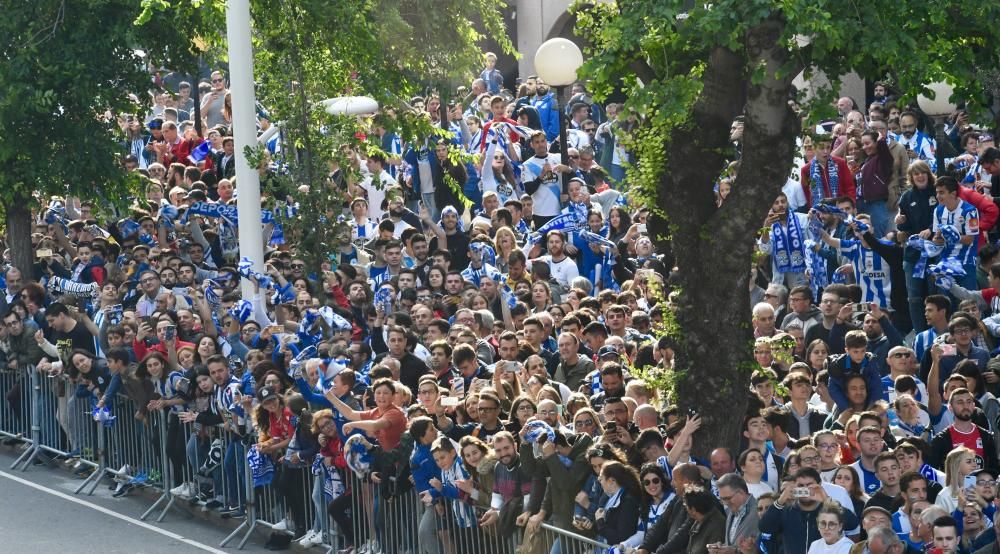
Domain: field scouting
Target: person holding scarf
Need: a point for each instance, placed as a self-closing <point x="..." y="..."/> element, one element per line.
<point x="618" y="518"/>
<point x="826" y="176"/>
<point x="784" y="240"/>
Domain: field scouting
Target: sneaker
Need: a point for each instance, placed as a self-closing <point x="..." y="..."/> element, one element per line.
<point x="312" y="538"/>
<point x="213" y="504"/>
<point x="281" y="525"/>
<point x="232" y="512"/>
<point x="122" y="490"/>
<point x="184" y="490"/>
<point x="125" y="472"/>
<point x="82" y="469"/>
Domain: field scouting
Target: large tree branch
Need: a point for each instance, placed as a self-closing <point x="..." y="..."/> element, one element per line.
<point x="698" y="151"/>
<point x="768" y="136"/>
<point x="642" y="70"/>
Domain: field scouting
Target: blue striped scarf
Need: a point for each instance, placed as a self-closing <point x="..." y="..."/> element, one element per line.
<point x="788" y="252"/>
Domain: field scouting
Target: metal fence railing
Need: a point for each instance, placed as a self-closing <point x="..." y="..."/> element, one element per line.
<point x="204" y="468"/>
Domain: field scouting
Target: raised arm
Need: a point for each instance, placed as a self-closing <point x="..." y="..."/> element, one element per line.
<point x="345" y="410"/>
<point x="934" y="400"/>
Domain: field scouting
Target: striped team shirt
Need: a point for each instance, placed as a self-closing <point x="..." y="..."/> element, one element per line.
<point x="871" y="272"/>
<point x="464" y="513"/>
<point x="965" y="219"/>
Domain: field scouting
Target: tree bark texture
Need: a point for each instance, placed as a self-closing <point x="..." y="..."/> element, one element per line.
<point x="714" y="246"/>
<point x="19" y="235"/>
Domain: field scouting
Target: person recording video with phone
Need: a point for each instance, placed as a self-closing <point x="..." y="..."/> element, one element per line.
<point x="800" y="502"/>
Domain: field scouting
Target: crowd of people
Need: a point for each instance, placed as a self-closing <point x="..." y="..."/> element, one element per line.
<point x="483" y="346"/>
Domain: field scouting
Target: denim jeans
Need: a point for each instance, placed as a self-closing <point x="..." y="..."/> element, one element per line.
<point x="474" y="193"/>
<point x="234" y="465"/>
<point x="319" y="503"/>
<point x="879" y="213"/>
<point x="432" y="207"/>
<point x="617" y="174"/>
<point x="916" y="290"/>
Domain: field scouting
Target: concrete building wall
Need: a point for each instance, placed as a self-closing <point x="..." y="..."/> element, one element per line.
<point x="538" y="21"/>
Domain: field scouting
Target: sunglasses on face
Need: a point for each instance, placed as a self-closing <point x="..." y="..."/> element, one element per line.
<point x="651" y="481"/>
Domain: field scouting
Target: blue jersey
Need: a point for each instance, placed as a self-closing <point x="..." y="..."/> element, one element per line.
<point x="869" y="481"/>
<point x="923" y="341"/>
<point x="871" y="272"/>
<point x="964" y="219"/>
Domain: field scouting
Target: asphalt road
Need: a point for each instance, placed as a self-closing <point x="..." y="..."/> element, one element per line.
<point x="39" y="512"/>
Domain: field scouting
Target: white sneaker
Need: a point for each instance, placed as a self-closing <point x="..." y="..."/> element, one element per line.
<point x="280" y="526"/>
<point x="184" y="490"/>
<point x="311" y="539"/>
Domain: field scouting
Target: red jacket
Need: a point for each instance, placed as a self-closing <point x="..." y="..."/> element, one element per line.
<point x="179" y="152"/>
<point x="845" y="186"/>
<point x="988" y="211"/>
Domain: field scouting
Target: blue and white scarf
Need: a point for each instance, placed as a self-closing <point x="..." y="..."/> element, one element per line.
<point x="789" y="254"/>
<point x="928" y="249"/>
<point x="230" y="217"/>
<point x="242" y="310"/>
<point x="261" y="467"/>
<point x="816" y="180"/>
<point x="569" y="220"/>
<point x="819" y="276"/>
<point x="333" y="484"/>
<point x="945" y="272"/>
<point x="103" y="416"/>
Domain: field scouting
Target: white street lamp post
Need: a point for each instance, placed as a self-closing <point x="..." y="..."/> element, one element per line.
<point x="556" y="63"/>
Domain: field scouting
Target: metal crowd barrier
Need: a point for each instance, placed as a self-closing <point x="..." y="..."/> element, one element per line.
<point x="206" y="467"/>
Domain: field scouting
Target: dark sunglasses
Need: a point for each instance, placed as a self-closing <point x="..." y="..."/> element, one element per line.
<point x="651" y="481"/>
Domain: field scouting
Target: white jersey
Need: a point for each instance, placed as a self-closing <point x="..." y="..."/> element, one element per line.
<point x="563" y="271"/>
<point x="922" y="144"/>
<point x="547" y="199"/>
<point x="871" y="272"/>
<point x="376" y="192"/>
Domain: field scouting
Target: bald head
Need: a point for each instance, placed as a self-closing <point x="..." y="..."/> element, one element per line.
<point x="645" y="417"/>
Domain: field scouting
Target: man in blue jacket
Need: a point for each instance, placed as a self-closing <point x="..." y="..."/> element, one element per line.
<point x="548" y="110"/>
<point x="793" y="516"/>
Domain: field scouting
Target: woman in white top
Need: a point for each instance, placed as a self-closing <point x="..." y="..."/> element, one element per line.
<point x="751" y="464"/>
<point x="830" y="522"/>
<point x="961" y="461"/>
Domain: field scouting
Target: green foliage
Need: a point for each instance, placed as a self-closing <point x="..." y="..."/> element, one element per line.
<point x="66" y="69"/>
<point x="654" y="51"/>
<point x="686" y="68"/>
<point x="308" y="50"/>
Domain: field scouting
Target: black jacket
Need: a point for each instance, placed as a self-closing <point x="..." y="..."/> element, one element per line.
<point x="621" y="521"/>
<point x="227" y="172"/>
<point x="670" y="529"/>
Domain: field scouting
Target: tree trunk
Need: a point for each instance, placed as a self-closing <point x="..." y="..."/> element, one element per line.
<point x="714" y="246"/>
<point x="19" y="235"/>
